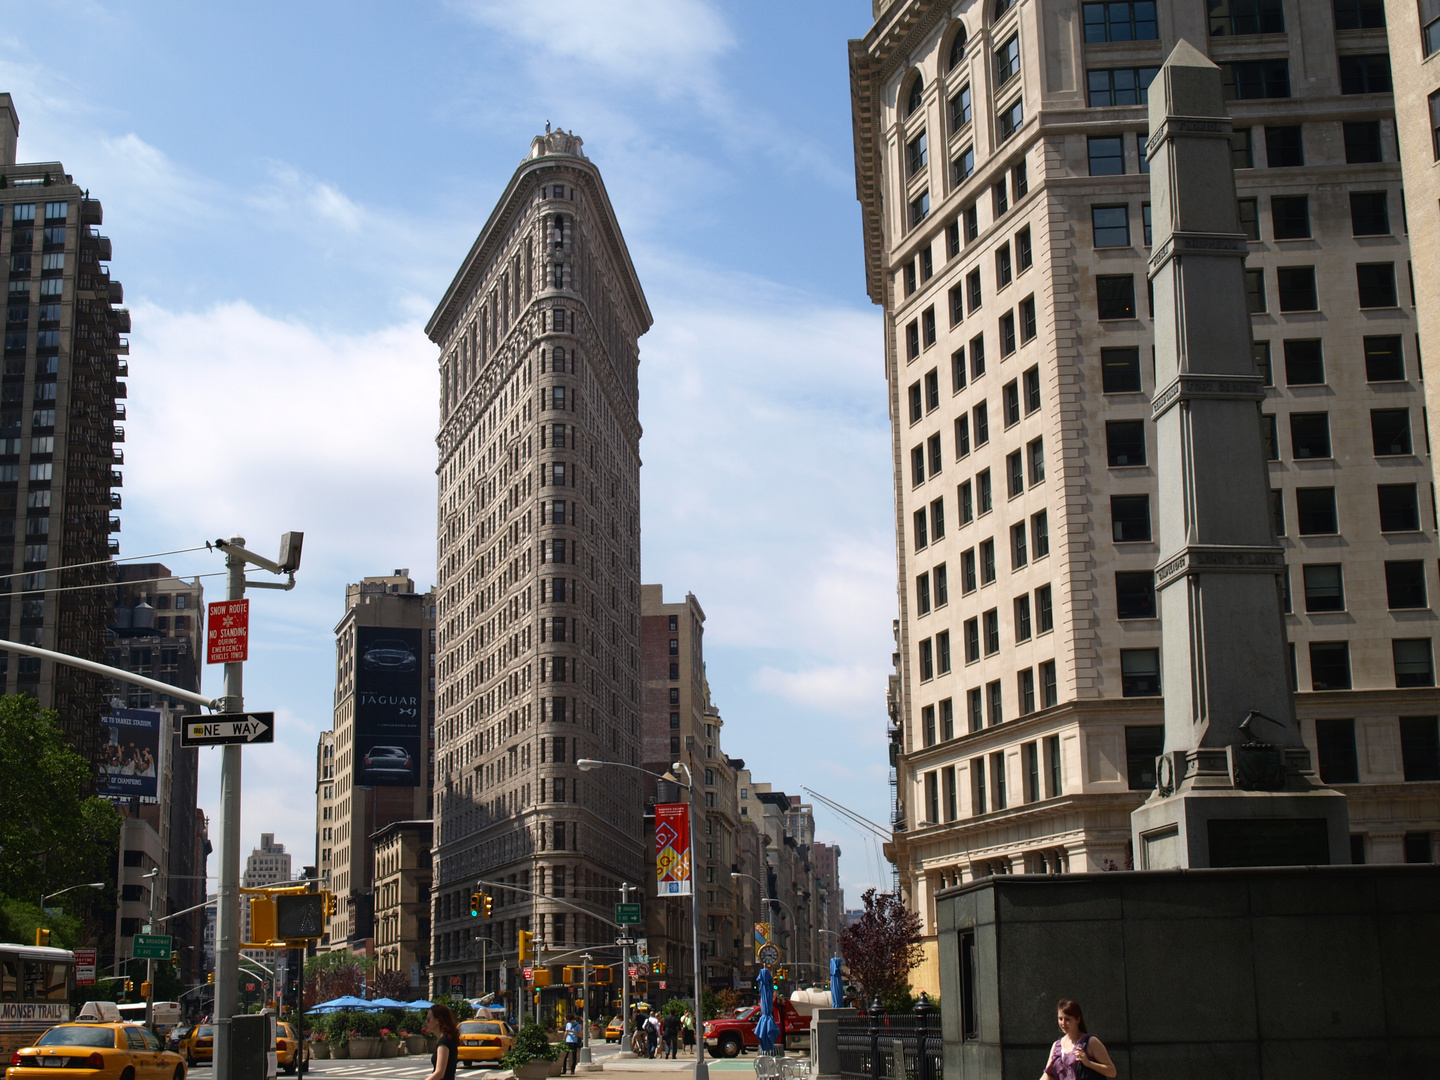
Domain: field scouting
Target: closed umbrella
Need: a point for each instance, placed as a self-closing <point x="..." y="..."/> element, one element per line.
<point x="837" y="988"/>
<point x="765" y="1027"/>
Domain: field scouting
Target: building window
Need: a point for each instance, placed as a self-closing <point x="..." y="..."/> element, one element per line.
<point x="1035" y="455"/>
<point x="1130" y="518"/>
<point x="1304" y="362"/>
<point x="1125" y="442"/>
<point x="963" y="166"/>
<point x="942" y="585"/>
<point x="1399" y="508"/>
<point x="1369" y="74"/>
<point x="919" y="208"/>
<point x="1249" y="218"/>
<point x="1007" y="60"/>
<point x="1434" y="101"/>
<point x="1420" y="748"/>
<point x="1011" y="118"/>
<point x="1237" y="17"/>
<point x="1405" y="584"/>
<point x="1007" y="334"/>
<point x="917" y="154"/>
<point x="1044" y="609"/>
<point x="981" y="414"/>
<point x="1023" y="627"/>
<point x="1019" y="550"/>
<point x="966" y="495"/>
<point x="1315" y="511"/>
<point x="975" y="706"/>
<point x="1297" y="288"/>
<point x="1003" y="267"/>
<point x="1140" y="672"/>
<point x="991" y="620"/>
<point x="972" y="640"/>
<point x="927" y="723"/>
<point x="960" y="109"/>
<point x="927" y="327"/>
<point x="1115" y="296"/>
<point x="967" y="571"/>
<point x="1111" y="226"/>
<point x="1429" y="26"/>
<point x="1284" y="147"/>
<point x="1362" y="142"/>
<point x="1369" y="213"/>
<point x="1135" y="594"/>
<point x="1028" y="327"/>
<point x="1335" y="751"/>
<point x="1143" y="744"/>
<point x="1242" y="149"/>
<point x="916" y="97"/>
<point x="1001" y="201"/>
<point x="922" y="594"/>
<point x="977" y="793"/>
<point x="1418" y="847"/>
<point x="995" y="703"/>
<point x="1255" y="291"/>
<point x="1120" y="370"/>
<point x="973" y="295"/>
<point x="971" y="217"/>
<point x="1289" y="217"/>
<point x="1384" y="359"/>
<point x="1040" y="535"/>
<point x="1324" y="587"/>
<point x="927" y="660"/>
<point x="1245" y="80"/>
<point x="1413" y="664"/>
<point x="987" y="562"/>
<point x="1107" y="155"/>
<point x="1377" y="284"/>
<point x="1269" y="437"/>
<point x="1310" y="435"/>
<point x="1120" y="86"/>
<point x="1120" y="20"/>
<point x="942" y="651"/>
<point x="1390" y="432"/>
<point x="1329" y="666"/>
<point x="922" y="532"/>
<point x="1025" y="686"/>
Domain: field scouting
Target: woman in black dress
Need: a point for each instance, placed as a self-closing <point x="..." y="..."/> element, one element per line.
<point x="441" y="1022"/>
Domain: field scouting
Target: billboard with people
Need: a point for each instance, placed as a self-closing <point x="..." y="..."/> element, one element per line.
<point x="387" y="706"/>
<point x="131" y="760"/>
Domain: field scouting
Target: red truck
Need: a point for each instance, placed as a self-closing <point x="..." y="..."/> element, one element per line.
<point x="731" y="1036"/>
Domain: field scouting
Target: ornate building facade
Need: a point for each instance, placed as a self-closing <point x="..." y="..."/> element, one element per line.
<point x="538" y="581"/>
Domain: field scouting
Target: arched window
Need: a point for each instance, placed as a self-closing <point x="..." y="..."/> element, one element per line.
<point x="957" y="46"/>
<point x="917" y="89"/>
<point x="559" y="230"/>
<point x="559" y="359"/>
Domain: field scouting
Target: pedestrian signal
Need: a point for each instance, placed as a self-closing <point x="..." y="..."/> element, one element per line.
<point x="525" y="943"/>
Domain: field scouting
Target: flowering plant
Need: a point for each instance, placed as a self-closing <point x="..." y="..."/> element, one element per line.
<point x="386" y="1033"/>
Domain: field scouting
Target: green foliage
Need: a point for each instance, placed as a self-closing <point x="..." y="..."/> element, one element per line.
<point x="19" y="919"/>
<point x="365" y="1023"/>
<point x="676" y="1007"/>
<point x="722" y="1003"/>
<point x="461" y="1008"/>
<point x="898" y="1000"/>
<point x="330" y="975"/>
<point x="530" y="1045"/>
<point x="51" y="834"/>
<point x="413" y="1021"/>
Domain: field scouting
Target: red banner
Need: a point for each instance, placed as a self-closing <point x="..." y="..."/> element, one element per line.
<point x="672" y="849"/>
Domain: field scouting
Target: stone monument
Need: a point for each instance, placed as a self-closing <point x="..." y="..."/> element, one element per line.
<point x="1235" y="785"/>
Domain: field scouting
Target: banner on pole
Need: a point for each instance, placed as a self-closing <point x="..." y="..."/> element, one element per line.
<point x="762" y="938"/>
<point x="672" y="849"/>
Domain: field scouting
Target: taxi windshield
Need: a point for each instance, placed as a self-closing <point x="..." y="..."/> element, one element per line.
<point x="78" y="1036"/>
<point x="475" y="1027"/>
<point x="205" y="1032"/>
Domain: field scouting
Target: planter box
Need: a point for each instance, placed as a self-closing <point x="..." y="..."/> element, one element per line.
<point x="538" y="1070"/>
<point x="365" y="1046"/>
<point x="416" y="1044"/>
<point x="338" y="1050"/>
<point x="388" y="1047"/>
<point x="320" y="1051"/>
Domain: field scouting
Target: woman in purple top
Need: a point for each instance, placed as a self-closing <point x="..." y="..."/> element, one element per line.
<point x="1076" y="1054"/>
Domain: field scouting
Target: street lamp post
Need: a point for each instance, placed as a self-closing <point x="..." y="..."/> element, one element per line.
<point x="702" y="1071"/>
<point x="62" y="892"/>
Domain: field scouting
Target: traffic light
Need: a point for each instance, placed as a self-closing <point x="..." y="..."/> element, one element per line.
<point x="489" y="903"/>
<point x="329" y="904"/>
<point x="525" y="943"/>
<point x="145" y="989"/>
<point x="601" y="976"/>
<point x="658" y="967"/>
<point x="541" y="976"/>
<point x="210" y="979"/>
<point x="175" y="961"/>
<point x="477" y="903"/>
<point x="129" y="986"/>
<point x="574" y="973"/>
<point x="42" y="937"/>
<point x="537" y="997"/>
<point x="782" y="973"/>
<point x="262" y="919"/>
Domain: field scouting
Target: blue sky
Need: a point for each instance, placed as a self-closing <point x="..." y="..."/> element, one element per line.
<point x="290" y="188"/>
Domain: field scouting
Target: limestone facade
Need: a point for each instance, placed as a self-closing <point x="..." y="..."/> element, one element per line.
<point x="539" y="558"/>
<point x="999" y="163"/>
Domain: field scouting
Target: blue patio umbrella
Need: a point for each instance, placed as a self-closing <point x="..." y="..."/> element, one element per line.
<point x="349" y="1001"/>
<point x="765" y="1027"/>
<point x="388" y="1003"/>
<point x="837" y="987"/>
<point x="419" y="1004"/>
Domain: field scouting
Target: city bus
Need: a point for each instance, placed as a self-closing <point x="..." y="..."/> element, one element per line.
<point x="35" y="988"/>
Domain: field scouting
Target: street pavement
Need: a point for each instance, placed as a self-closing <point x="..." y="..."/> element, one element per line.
<point x="418" y="1066"/>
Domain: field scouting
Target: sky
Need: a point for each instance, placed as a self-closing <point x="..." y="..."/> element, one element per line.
<point x="289" y="189"/>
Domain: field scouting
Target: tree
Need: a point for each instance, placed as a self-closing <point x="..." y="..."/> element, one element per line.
<point x="883" y="947"/>
<point x="51" y="834"/>
<point x="391" y="984"/>
<point x="330" y="975"/>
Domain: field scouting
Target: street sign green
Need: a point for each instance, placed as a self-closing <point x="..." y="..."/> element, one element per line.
<point x="628" y="914"/>
<point x="152" y="946"/>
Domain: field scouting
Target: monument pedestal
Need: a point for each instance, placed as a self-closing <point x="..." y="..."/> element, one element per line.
<point x="1216" y="828"/>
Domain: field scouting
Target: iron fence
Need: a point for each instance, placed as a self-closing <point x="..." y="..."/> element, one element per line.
<point x="882" y="1046"/>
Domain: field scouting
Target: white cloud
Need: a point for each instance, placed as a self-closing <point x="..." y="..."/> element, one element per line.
<point x="857" y="691"/>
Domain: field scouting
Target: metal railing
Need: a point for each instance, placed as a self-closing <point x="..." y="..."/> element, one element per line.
<point x="881" y="1046"/>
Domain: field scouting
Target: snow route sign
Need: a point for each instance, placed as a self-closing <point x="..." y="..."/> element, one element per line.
<point x="227" y="637"/>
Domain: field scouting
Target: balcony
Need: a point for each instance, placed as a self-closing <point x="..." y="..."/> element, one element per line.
<point x="122" y="320"/>
<point x="122" y="390"/>
<point x="91" y="212"/>
<point x="122" y="368"/>
<point x="114" y="546"/>
<point x="118" y="457"/>
<point x="115" y="500"/>
<point x="119" y="435"/>
<point x="122" y="347"/>
<point x="116" y="479"/>
<point x="116" y="293"/>
<point x="119" y="410"/>
<point x="114" y="525"/>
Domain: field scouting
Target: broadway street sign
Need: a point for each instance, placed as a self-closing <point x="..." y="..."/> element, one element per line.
<point x="221" y="728"/>
<point x="152" y="946"/>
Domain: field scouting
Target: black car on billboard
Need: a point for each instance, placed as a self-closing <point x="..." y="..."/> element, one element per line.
<point x="389" y="654"/>
<point x="386" y="763"/>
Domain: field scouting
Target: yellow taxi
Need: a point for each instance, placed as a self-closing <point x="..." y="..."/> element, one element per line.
<point x="483" y="1040"/>
<point x="614" y="1030"/>
<point x="96" y="1050"/>
<point x="289" y="1050"/>
<point x="199" y="1045"/>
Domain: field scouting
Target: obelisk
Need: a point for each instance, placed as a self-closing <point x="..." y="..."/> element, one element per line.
<point x="1235" y="784"/>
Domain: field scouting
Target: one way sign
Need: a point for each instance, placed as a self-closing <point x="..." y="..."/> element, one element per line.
<point x="221" y="728"/>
